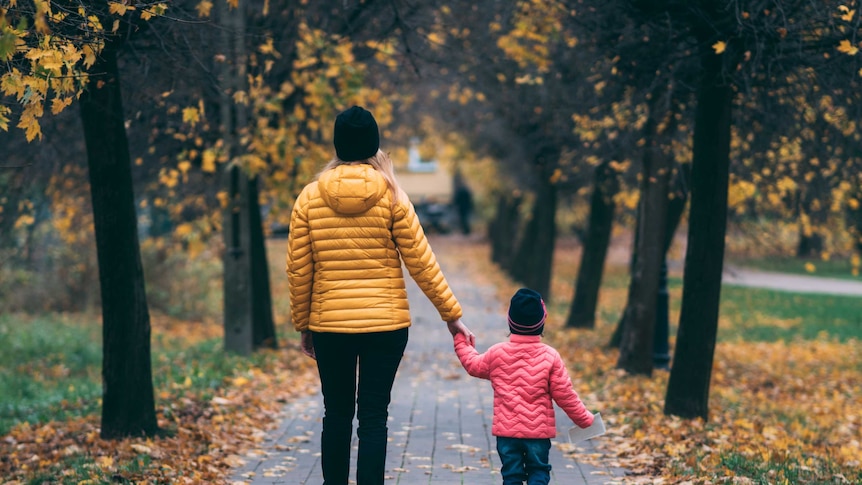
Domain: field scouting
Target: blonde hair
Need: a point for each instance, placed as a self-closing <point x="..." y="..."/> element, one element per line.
<point x="382" y="163"/>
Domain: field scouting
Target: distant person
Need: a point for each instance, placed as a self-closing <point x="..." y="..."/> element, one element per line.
<point x="463" y="199"/>
<point x="350" y="232"/>
<point x="526" y="376"/>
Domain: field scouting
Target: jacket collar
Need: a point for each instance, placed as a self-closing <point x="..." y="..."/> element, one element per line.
<point x="523" y="339"/>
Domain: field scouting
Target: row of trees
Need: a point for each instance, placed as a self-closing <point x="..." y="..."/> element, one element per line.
<point x="661" y="96"/>
<point x="207" y="120"/>
<point x="221" y="116"/>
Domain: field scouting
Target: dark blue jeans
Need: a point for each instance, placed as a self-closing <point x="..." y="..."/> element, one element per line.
<point x="524" y="460"/>
<point x="377" y="356"/>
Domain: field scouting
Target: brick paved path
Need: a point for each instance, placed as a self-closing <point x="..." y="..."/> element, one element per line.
<point x="440" y="418"/>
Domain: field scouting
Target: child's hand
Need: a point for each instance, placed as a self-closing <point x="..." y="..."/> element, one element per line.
<point x="457" y="327"/>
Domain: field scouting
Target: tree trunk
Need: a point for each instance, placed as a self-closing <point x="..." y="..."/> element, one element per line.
<point x="688" y="387"/>
<point x="583" y="311"/>
<point x="675" y="210"/>
<point x="128" y="407"/>
<point x="263" y="331"/>
<point x="533" y="259"/>
<point x="248" y="300"/>
<point x="238" y="297"/>
<point x="676" y="203"/>
<point x="617" y="336"/>
<point x="503" y="230"/>
<point x="636" y="346"/>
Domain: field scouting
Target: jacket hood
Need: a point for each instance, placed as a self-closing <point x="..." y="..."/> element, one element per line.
<point x="352" y="189"/>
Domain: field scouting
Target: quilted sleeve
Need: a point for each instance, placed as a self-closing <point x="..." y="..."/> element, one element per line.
<point x="474" y="363"/>
<point x="300" y="264"/>
<point x="565" y="396"/>
<point x="420" y="260"/>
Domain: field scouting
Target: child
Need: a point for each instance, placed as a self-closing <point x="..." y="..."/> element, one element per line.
<point x="526" y="375"/>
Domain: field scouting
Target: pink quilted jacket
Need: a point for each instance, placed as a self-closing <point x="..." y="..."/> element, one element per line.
<point x="526" y="375"/>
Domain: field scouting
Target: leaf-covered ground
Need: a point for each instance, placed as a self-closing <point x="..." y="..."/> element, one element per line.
<point x="784" y="410"/>
<point x="205" y="426"/>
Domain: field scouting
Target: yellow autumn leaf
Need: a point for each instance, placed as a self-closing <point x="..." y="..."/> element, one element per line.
<point x="204" y="8"/>
<point x="59" y="104"/>
<point x="191" y="115"/>
<point x="24" y="221"/>
<point x="268" y="48"/>
<point x="32" y="129"/>
<point x="208" y="161"/>
<point x="810" y="267"/>
<point x="719" y="47"/>
<point x="847" y="48"/>
<point x="183" y="229"/>
<point x="119" y="8"/>
<point x="89" y="56"/>
<point x="104" y="462"/>
<point x="222" y="198"/>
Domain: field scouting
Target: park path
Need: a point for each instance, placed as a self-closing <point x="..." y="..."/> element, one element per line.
<point x="790" y="282"/>
<point x="440" y="418"/>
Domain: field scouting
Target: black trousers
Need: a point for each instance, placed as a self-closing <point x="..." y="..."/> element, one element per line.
<point x="377" y="356"/>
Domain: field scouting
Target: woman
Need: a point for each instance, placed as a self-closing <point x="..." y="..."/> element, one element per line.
<point x="350" y="231"/>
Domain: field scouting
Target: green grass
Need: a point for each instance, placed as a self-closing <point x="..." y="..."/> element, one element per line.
<point x="83" y="466"/>
<point x="50" y="368"/>
<point x="777" y="469"/>
<point x="756" y="314"/>
<point x="767" y="315"/>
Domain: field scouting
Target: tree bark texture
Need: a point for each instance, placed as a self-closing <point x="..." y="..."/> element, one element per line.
<point x="605" y="186"/>
<point x="617" y="336"/>
<point x="503" y="229"/>
<point x="263" y="331"/>
<point x="238" y="297"/>
<point x="636" y="345"/>
<point x="688" y="387"/>
<point x="534" y="257"/>
<point x="247" y="300"/>
<point x="128" y="407"/>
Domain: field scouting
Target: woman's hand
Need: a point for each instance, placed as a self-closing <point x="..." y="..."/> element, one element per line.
<point x="307" y="344"/>
<point x="457" y="326"/>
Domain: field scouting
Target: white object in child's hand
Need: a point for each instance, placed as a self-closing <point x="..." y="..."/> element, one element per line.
<point x="577" y="433"/>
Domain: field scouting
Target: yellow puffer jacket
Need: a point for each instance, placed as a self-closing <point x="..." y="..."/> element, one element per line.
<point x="345" y="248"/>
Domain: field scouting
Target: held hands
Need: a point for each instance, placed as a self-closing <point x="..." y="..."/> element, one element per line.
<point x="457" y="326"/>
<point x="306" y="344"/>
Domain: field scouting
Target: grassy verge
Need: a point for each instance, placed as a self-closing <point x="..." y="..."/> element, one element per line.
<point x="49" y="369"/>
<point x="749" y="314"/>
<point x="50" y="366"/>
<point x="50" y="399"/>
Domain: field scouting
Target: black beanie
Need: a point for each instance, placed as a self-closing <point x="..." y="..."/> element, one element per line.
<point x="356" y="136"/>
<point x="527" y="313"/>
